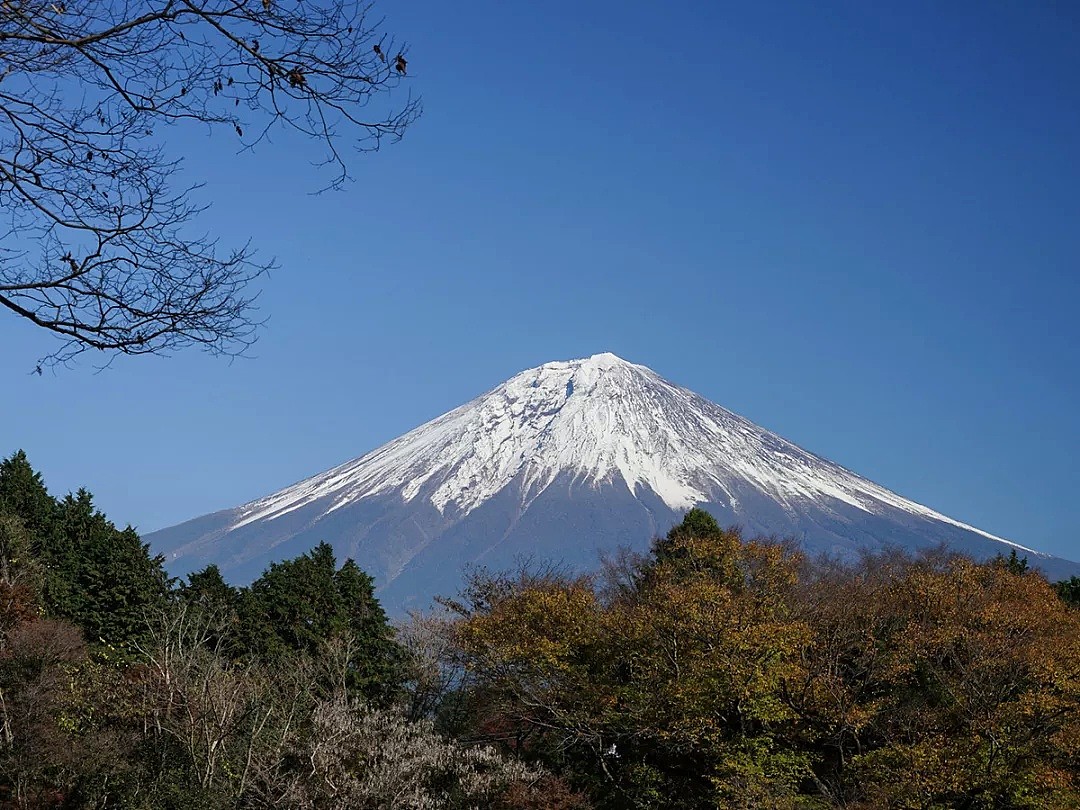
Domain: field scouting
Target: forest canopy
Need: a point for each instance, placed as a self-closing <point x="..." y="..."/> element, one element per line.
<point x="711" y="672"/>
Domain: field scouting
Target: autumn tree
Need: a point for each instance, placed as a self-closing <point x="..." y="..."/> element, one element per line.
<point x="668" y="694"/>
<point x="724" y="673"/>
<point x="940" y="682"/>
<point x="101" y="242"/>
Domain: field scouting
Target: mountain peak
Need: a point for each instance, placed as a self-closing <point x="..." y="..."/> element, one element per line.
<point x="605" y="360"/>
<point x="600" y="420"/>
<point x="597" y="418"/>
<point x="592" y="365"/>
<point x="598" y="449"/>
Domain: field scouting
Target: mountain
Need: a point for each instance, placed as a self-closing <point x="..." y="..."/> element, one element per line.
<point x="563" y="462"/>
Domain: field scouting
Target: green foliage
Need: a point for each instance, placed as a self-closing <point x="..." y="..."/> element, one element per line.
<point x="29" y="516"/>
<point x="202" y="695"/>
<point x="208" y="590"/>
<point x="114" y="582"/>
<point x="1069" y="591"/>
<point x="102" y="579"/>
<point x="20" y="569"/>
<point x="1014" y="564"/>
<point x="297" y="606"/>
<point x="23" y="493"/>
<point x="695" y="523"/>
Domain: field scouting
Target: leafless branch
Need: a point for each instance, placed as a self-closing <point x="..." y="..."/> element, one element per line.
<point x="99" y="243"/>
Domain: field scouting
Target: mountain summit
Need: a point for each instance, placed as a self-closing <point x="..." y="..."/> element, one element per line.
<point x="563" y="462"/>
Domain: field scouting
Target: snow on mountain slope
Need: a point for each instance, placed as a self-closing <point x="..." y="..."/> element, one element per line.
<point x="599" y="418"/>
<point x="580" y="431"/>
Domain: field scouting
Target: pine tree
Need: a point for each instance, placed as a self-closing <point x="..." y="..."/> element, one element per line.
<point x="696" y="524"/>
<point x="377" y="671"/>
<point x="299" y="605"/>
<point x="102" y="579"/>
<point x="1069" y="591"/>
<point x="114" y="582"/>
<point x="1014" y="564"/>
<point x="207" y="589"/>
<point x="24" y="496"/>
<point x="23" y="493"/>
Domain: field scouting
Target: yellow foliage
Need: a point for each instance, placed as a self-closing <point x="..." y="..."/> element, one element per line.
<point x="728" y="674"/>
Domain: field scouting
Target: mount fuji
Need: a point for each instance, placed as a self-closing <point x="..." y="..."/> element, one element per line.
<point x="563" y="462"/>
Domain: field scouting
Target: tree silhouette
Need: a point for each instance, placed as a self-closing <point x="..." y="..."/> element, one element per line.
<point x="97" y="244"/>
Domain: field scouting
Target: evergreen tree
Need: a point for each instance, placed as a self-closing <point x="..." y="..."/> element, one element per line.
<point x="378" y="670"/>
<point x="1014" y="564"/>
<point x="299" y="605"/>
<point x="1069" y="591"/>
<point x="114" y="582"/>
<point x="20" y="576"/>
<point x="102" y="579"/>
<point x="207" y="589"/>
<point x="696" y="524"/>
<point x="23" y="493"/>
<point x="24" y="498"/>
<point x="18" y="564"/>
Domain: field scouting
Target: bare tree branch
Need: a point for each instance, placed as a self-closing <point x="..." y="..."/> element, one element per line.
<point x="98" y="242"/>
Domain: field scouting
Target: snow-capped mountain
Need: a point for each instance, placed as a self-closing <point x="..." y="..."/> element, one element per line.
<point x="562" y="462"/>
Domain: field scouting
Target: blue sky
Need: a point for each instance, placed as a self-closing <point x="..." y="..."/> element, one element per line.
<point x="854" y="223"/>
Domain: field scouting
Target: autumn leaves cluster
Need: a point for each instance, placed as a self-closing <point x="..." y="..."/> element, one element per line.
<point x="716" y="672"/>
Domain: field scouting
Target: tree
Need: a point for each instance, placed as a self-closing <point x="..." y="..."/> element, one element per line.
<point x="721" y="673"/>
<point x="1069" y="590"/>
<point x="208" y="591"/>
<point x="99" y="246"/>
<point x="939" y="682"/>
<point x="89" y="572"/>
<point x="695" y="523"/>
<point x="1014" y="563"/>
<point x="37" y="658"/>
<point x="23" y="493"/>
<point x="112" y="579"/>
<point x="667" y="694"/>
<point x="303" y="604"/>
<point x="357" y="757"/>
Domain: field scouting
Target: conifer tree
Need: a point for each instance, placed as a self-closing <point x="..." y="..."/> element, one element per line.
<point x="207" y="589"/>
<point x="696" y="523"/>
<point x="102" y="579"/>
<point x="23" y="493"/>
<point x="1069" y="591"/>
<point x="113" y="581"/>
<point x="299" y="605"/>
<point x="1014" y="564"/>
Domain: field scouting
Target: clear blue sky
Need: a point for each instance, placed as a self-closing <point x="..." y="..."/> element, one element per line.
<point x="857" y="224"/>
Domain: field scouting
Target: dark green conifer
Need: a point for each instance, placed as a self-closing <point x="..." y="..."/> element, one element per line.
<point x="1014" y="564"/>
<point x="1069" y="591"/>
<point x="697" y="523"/>
<point x="114" y="582"/>
<point x="102" y="579"/>
<point x="298" y="605"/>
